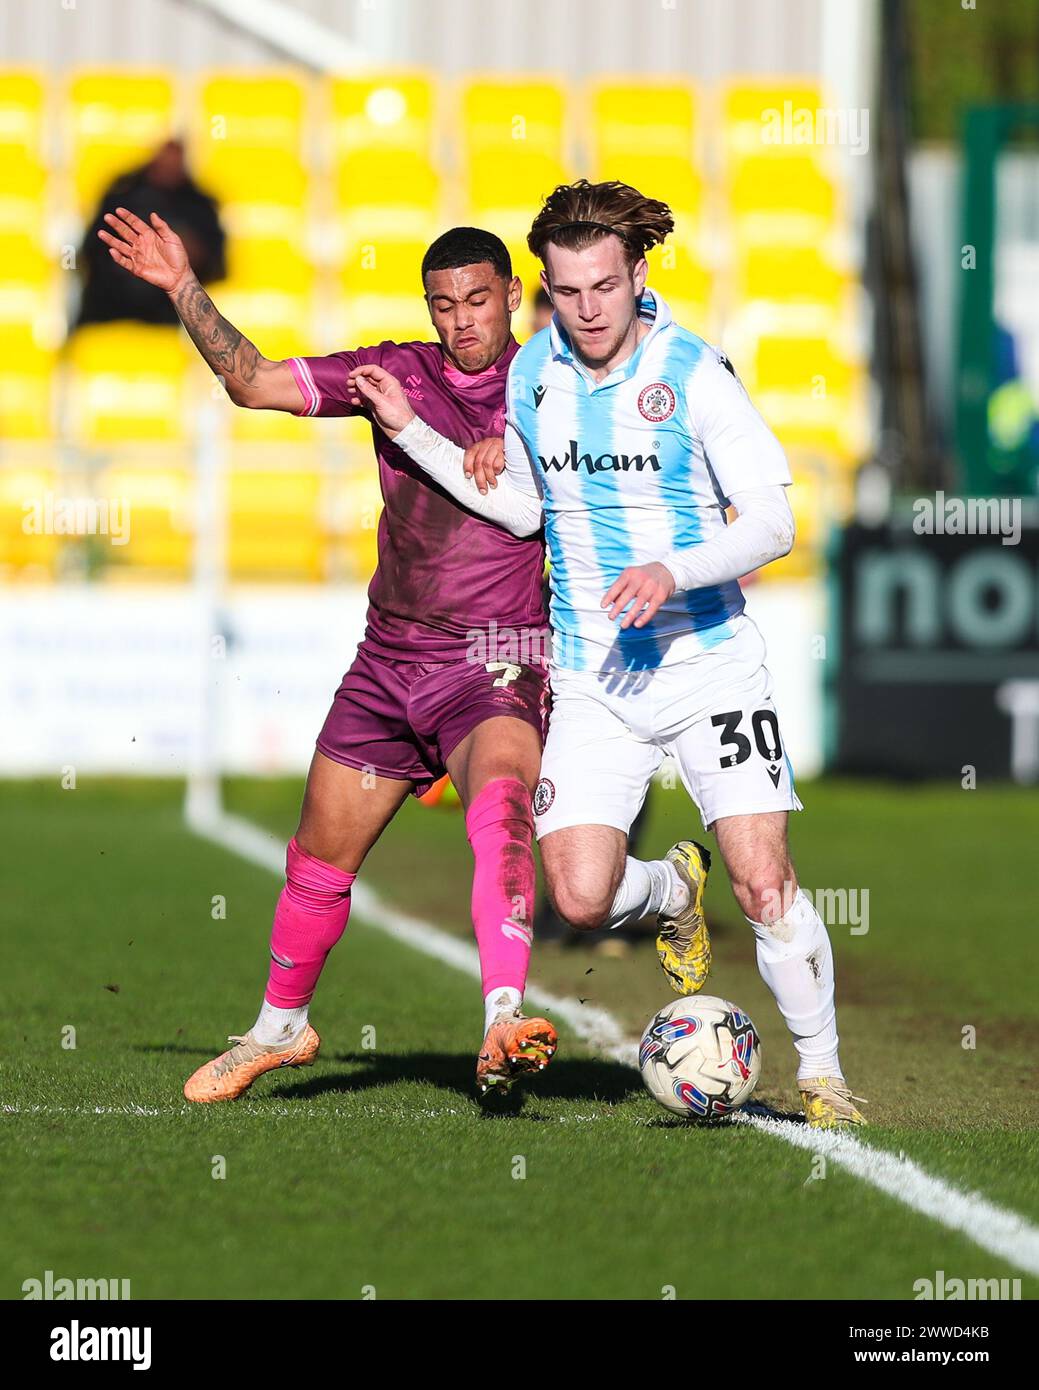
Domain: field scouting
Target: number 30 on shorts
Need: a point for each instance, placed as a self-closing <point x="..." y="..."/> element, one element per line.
<point x="764" y="724"/>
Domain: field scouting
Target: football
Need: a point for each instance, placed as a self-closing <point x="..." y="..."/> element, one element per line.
<point x="700" y="1057"/>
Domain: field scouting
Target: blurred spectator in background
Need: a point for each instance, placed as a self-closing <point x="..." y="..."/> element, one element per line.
<point x="163" y="185"/>
<point x="543" y="311"/>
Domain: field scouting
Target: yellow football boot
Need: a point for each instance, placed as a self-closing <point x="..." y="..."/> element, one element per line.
<point x="828" y="1103"/>
<point x="683" y="945"/>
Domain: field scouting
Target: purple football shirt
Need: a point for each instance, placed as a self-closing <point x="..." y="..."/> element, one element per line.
<point x="444" y="575"/>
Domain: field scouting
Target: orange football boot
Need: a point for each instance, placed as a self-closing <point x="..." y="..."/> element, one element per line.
<point x="513" y="1047"/>
<point x="226" y="1077"/>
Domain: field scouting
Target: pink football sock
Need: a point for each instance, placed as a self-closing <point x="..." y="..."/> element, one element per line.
<point x="308" y="921"/>
<point x="500" y="826"/>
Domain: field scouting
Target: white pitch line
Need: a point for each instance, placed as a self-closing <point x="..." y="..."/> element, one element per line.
<point x="996" y="1229"/>
<point x="295" y="1110"/>
<point x="126" y="1110"/>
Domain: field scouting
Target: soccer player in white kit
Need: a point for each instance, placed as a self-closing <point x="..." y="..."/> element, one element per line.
<point x="629" y="436"/>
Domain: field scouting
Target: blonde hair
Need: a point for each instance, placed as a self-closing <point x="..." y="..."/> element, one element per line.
<point x="577" y="215"/>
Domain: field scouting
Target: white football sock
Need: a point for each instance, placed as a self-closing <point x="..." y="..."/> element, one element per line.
<point x="502" y="1000"/>
<point x="796" y="962"/>
<point x="277" y="1027"/>
<point x="649" y="887"/>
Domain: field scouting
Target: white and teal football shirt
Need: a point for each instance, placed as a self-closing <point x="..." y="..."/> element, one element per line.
<point x="628" y="469"/>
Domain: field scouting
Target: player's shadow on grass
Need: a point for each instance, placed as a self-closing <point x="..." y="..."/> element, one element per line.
<point x="761" y="1109"/>
<point x="566" y="1079"/>
<point x="764" y="1111"/>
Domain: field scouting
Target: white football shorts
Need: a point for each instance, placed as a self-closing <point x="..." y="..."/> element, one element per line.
<point x="713" y="714"/>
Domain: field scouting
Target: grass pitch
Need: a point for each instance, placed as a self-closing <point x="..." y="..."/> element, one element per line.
<point x="375" y="1173"/>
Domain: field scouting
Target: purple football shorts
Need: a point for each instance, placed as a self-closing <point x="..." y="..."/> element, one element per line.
<point x="403" y="719"/>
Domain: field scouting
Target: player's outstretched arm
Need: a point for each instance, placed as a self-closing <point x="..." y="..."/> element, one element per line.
<point x="507" y="505"/>
<point x="156" y="254"/>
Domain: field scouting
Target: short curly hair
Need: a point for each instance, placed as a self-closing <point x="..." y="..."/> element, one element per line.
<point x="577" y="215"/>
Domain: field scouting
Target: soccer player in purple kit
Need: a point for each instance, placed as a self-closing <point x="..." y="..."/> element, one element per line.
<point x="427" y="691"/>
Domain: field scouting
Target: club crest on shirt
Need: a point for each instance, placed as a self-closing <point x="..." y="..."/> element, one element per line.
<point x="498" y="423"/>
<point x="656" y="402"/>
<point x="544" y="795"/>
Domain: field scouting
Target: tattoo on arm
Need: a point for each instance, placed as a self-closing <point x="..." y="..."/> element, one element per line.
<point x="225" y="349"/>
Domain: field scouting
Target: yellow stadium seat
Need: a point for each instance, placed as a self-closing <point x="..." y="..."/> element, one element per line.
<point x="23" y="195"/>
<point x="809" y="365"/>
<point x="684" y="282"/>
<point x="810" y="393"/>
<point x="159" y="500"/>
<point x="505" y="191"/>
<point x="258" y="176"/>
<point x="261" y="111"/>
<point x="759" y="117"/>
<point x="358" y="505"/>
<point x="834" y="431"/>
<point x="635" y="120"/>
<point x="500" y="114"/>
<point x="30" y="308"/>
<point x="783" y="273"/>
<point x="266" y="314"/>
<point x="269" y="263"/>
<point x="271" y="426"/>
<point x="385" y="266"/>
<point x="22" y="115"/>
<point x="370" y="319"/>
<point x="115" y="120"/>
<point x="262" y="195"/>
<point x="127" y="382"/>
<point x="392" y="178"/>
<point x="789" y="199"/>
<point x="275" y="524"/>
<point x="23" y="260"/>
<point x="27" y="375"/>
<point x="249" y="149"/>
<point x="513" y="178"/>
<point x="268" y="294"/>
<point x="387" y="192"/>
<point x="380" y="110"/>
<point x="28" y="546"/>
